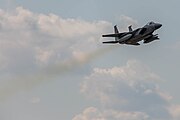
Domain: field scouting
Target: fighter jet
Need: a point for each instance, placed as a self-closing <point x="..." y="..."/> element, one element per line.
<point x="134" y="36"/>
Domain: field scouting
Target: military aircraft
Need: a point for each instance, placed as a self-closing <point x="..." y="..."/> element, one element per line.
<point x="134" y="36"/>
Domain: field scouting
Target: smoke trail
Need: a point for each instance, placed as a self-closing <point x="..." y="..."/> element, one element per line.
<point x="27" y="82"/>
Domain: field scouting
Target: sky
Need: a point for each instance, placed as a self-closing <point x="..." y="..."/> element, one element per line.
<point x="54" y="65"/>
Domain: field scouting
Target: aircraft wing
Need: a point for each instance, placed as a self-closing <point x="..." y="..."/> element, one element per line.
<point x="114" y="35"/>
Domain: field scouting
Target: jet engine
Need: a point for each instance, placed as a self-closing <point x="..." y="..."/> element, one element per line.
<point x="150" y="39"/>
<point x="124" y="38"/>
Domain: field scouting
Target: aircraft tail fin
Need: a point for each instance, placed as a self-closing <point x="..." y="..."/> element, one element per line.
<point x="116" y="31"/>
<point x="130" y="28"/>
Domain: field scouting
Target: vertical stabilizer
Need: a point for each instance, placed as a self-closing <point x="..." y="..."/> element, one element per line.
<point x="130" y="28"/>
<point x="116" y="32"/>
<point x="116" y="29"/>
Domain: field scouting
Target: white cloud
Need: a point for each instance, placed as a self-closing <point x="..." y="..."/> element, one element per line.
<point x="92" y="113"/>
<point x="125" y="21"/>
<point x="130" y="88"/>
<point x="43" y="56"/>
<point x="134" y="75"/>
<point x="175" y="111"/>
<point x="31" y="42"/>
<point x="45" y="38"/>
<point x="68" y="28"/>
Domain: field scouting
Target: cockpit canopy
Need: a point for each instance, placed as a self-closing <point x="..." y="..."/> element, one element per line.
<point x="150" y="23"/>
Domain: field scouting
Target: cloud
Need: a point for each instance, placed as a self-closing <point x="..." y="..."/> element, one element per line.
<point x="45" y="38"/>
<point x="175" y="111"/>
<point x="131" y="88"/>
<point x="92" y="113"/>
<point x="124" y="21"/>
<point x="35" y="47"/>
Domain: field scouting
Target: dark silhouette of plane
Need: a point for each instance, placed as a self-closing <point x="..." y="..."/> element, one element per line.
<point x="134" y="36"/>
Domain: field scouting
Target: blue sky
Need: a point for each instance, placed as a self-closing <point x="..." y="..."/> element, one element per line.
<point x="55" y="67"/>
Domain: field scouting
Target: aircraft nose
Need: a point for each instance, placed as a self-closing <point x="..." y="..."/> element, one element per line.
<point x="158" y="25"/>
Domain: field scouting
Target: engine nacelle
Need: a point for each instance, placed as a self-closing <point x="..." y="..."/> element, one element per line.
<point x="150" y="39"/>
<point x="124" y="38"/>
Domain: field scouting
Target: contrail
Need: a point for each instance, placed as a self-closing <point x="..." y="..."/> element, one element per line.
<point x="27" y="82"/>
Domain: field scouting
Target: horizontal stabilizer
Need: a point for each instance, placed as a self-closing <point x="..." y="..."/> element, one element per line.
<point x="110" y="35"/>
<point x="113" y="35"/>
<point x="112" y="42"/>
